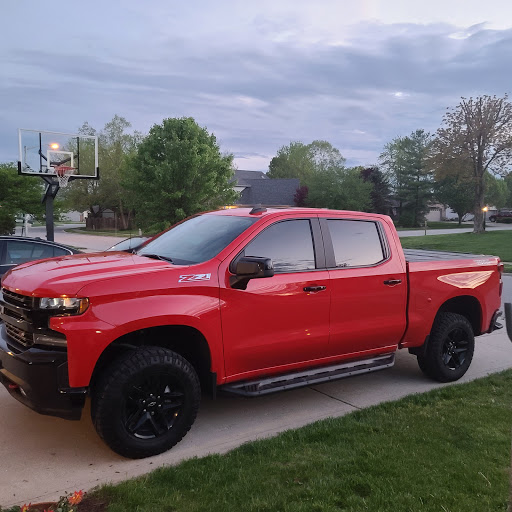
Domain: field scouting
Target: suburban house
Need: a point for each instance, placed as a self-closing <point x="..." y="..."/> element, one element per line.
<point x="255" y="187"/>
<point x="439" y="212"/>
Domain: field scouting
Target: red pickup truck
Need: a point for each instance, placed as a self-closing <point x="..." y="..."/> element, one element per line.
<point x="249" y="301"/>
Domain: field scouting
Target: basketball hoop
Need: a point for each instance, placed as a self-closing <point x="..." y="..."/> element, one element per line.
<point x="63" y="173"/>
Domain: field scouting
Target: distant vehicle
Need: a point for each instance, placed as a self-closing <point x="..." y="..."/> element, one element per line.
<point x="504" y="215"/>
<point x="15" y="250"/>
<point x="130" y="244"/>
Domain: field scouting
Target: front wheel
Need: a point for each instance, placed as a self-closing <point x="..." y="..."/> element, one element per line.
<point x="146" y="402"/>
<point x="450" y="348"/>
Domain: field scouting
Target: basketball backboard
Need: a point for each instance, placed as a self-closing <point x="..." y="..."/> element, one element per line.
<point x="43" y="153"/>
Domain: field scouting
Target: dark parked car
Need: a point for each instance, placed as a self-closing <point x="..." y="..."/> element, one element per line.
<point x="130" y="244"/>
<point x="20" y="249"/>
<point x="501" y="216"/>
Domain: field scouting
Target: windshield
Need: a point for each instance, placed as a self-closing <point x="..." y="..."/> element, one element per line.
<point x="197" y="239"/>
<point x="129" y="243"/>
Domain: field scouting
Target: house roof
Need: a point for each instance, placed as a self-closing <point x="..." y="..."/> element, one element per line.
<point x="242" y="177"/>
<point x="269" y="192"/>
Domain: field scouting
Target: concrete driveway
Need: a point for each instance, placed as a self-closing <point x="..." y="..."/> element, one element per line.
<point x="44" y="457"/>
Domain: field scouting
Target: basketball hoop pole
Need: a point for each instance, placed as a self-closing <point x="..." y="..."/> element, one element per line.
<point x="49" y="195"/>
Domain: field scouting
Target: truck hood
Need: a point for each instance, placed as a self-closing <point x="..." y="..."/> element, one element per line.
<point x="68" y="274"/>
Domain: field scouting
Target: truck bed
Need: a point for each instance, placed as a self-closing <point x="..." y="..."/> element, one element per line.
<point x="421" y="255"/>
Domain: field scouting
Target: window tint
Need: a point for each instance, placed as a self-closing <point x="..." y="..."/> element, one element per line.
<point x="20" y="251"/>
<point x="41" y="251"/>
<point x="355" y="242"/>
<point x="57" y="251"/>
<point x="198" y="239"/>
<point x="288" y="243"/>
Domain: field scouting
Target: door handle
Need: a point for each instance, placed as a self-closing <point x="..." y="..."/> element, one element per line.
<point x="314" y="289"/>
<point x="392" y="282"/>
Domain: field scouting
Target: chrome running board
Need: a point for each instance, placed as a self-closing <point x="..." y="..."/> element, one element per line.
<point x="311" y="376"/>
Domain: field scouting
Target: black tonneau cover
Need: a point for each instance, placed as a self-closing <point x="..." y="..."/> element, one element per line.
<point x="418" y="255"/>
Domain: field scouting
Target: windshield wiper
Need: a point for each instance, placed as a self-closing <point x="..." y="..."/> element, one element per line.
<point x="156" y="257"/>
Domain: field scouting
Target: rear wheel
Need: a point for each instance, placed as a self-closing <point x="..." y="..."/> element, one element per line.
<point x="450" y="348"/>
<point x="146" y="402"/>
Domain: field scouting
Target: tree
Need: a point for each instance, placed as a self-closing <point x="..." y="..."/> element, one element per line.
<point x="301" y="196"/>
<point x="178" y="170"/>
<point x="405" y="161"/>
<point x="292" y="161"/>
<point x="325" y="182"/>
<point x="18" y="195"/>
<point x="478" y="131"/>
<point x="340" y="189"/>
<point x="381" y="191"/>
<point x="496" y="191"/>
<point x="325" y="156"/>
<point x="508" y="181"/>
<point x="455" y="191"/>
<point x="114" y="146"/>
<point x="302" y="161"/>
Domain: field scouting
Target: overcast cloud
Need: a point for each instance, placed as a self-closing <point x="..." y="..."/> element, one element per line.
<point x="257" y="76"/>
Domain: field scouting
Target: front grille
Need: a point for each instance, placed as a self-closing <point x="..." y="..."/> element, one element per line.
<point x="19" y="335"/>
<point x="21" y="318"/>
<point x="16" y="299"/>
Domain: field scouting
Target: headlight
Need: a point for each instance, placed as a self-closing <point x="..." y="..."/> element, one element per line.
<point x="64" y="305"/>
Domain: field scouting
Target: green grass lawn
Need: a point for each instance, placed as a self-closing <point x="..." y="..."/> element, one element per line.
<point x="497" y="243"/>
<point x="439" y="225"/>
<point x="446" y="450"/>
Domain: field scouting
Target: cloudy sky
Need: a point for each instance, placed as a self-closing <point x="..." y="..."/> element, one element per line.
<point x="257" y="74"/>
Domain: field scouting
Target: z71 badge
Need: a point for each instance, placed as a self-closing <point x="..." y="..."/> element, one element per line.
<point x="194" y="277"/>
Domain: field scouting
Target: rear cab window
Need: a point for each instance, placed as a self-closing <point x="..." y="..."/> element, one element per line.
<point x="356" y="243"/>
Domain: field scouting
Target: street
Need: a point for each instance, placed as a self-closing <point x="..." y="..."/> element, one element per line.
<point x="45" y="457"/>
<point x="86" y="243"/>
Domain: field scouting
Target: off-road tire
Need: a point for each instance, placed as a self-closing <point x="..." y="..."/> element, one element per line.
<point x="145" y="402"/>
<point x="449" y="349"/>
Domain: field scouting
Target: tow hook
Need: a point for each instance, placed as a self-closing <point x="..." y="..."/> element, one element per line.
<point x="508" y="317"/>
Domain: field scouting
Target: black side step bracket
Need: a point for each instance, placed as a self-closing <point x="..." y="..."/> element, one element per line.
<point x="308" y="377"/>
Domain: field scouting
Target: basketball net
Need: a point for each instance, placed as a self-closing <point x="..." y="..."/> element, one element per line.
<point x="63" y="172"/>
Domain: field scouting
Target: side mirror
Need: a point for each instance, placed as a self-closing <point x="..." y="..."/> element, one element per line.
<point x="250" y="267"/>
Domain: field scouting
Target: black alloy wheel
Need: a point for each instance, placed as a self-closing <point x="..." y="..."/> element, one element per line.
<point x="145" y="402"/>
<point x="455" y="348"/>
<point x="152" y="404"/>
<point x="449" y="350"/>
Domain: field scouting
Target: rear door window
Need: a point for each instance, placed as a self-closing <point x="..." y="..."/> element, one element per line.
<point x="356" y="243"/>
<point x="20" y="251"/>
<point x="58" y="251"/>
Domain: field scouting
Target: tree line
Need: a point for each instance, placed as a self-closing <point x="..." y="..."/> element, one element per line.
<point x="464" y="165"/>
<point x="178" y="169"/>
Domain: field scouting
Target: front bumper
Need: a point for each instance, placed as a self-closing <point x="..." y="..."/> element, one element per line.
<point x="38" y="378"/>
